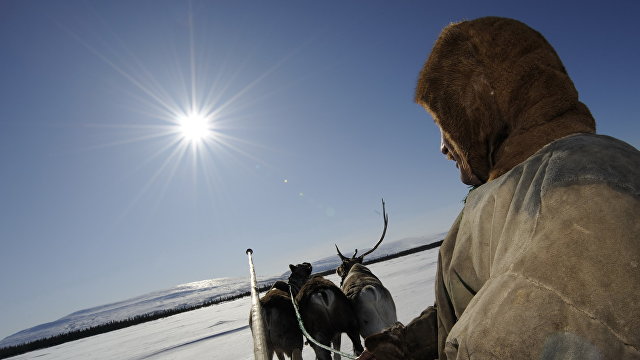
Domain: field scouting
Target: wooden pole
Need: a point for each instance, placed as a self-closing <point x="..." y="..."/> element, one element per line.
<point x="257" y="322"/>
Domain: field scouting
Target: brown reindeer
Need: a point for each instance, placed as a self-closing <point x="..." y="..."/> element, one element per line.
<point x="372" y="302"/>
<point x="325" y="311"/>
<point x="283" y="334"/>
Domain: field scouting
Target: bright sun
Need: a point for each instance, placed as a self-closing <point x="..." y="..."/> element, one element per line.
<point x="194" y="127"/>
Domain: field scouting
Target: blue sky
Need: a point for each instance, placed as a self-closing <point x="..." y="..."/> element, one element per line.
<point x="313" y="121"/>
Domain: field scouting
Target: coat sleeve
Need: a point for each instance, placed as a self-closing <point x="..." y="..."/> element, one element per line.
<point x="569" y="290"/>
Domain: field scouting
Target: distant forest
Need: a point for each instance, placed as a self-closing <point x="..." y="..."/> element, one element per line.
<point x="10" y="351"/>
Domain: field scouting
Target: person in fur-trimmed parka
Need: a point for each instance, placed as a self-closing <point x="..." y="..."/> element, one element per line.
<point x="543" y="262"/>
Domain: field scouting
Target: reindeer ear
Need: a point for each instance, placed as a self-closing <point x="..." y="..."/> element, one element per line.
<point x="339" y="271"/>
<point x="292" y="267"/>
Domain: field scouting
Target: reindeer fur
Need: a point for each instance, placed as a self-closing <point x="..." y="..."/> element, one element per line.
<point x="325" y="310"/>
<point x="372" y="302"/>
<point x="283" y="334"/>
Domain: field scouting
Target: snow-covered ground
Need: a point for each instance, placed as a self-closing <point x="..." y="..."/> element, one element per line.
<point x="221" y="331"/>
<point x="186" y="295"/>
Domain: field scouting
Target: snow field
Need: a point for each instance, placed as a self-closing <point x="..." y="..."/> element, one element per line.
<point x="222" y="332"/>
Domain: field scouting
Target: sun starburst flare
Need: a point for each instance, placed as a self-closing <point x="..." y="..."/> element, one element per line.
<point x="190" y="113"/>
<point x="195" y="127"/>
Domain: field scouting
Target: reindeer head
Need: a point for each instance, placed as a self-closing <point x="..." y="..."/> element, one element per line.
<point x="347" y="263"/>
<point x="299" y="275"/>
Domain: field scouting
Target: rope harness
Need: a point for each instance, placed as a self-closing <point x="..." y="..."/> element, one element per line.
<point x="307" y="335"/>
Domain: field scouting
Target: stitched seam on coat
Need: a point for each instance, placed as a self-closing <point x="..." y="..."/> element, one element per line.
<point x="575" y="307"/>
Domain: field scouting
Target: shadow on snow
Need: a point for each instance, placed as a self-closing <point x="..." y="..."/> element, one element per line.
<point x="195" y="341"/>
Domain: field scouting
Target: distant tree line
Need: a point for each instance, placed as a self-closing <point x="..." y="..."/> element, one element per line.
<point x="391" y="256"/>
<point x="10" y="351"/>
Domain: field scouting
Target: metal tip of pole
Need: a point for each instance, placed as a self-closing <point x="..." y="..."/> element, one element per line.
<point x="249" y="251"/>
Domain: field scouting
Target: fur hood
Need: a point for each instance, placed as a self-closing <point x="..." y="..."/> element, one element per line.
<point x="499" y="93"/>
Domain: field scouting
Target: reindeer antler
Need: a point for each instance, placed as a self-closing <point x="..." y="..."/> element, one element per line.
<point x="342" y="257"/>
<point x="384" y="231"/>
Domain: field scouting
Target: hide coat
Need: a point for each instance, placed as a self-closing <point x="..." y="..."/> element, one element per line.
<point x="543" y="262"/>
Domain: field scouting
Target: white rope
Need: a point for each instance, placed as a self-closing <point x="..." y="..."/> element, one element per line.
<point x="307" y="335"/>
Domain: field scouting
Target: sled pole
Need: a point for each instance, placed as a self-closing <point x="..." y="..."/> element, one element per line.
<point x="257" y="322"/>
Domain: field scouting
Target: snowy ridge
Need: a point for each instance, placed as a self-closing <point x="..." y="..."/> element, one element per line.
<point x="186" y="295"/>
<point x="332" y="262"/>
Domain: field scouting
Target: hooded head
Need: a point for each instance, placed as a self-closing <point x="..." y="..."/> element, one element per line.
<point x="499" y="92"/>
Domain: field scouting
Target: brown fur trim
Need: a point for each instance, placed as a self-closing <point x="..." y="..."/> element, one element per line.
<point x="499" y="93"/>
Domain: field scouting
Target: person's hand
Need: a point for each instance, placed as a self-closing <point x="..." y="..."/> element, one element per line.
<point x="387" y="345"/>
<point x="417" y="340"/>
<point x="366" y="355"/>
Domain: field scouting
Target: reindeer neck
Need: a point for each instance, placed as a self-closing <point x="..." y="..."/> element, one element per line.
<point x="297" y="284"/>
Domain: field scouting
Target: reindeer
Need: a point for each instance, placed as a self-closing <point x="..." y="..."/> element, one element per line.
<point x="325" y="311"/>
<point x="372" y="302"/>
<point x="283" y="334"/>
